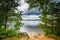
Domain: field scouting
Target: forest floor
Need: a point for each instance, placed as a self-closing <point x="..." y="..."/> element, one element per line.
<point x="40" y="37"/>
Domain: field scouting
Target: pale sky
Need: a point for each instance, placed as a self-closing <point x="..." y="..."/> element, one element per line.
<point x="58" y="0"/>
<point x="23" y="6"/>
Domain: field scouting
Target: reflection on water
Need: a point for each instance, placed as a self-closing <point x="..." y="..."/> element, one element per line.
<point x="30" y="26"/>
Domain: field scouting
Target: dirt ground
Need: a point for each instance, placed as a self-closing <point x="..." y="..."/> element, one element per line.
<point x="41" y="37"/>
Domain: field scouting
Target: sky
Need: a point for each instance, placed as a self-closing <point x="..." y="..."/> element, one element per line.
<point x="23" y="6"/>
<point x="58" y="0"/>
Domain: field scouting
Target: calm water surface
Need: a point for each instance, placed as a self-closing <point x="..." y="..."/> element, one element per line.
<point x="30" y="25"/>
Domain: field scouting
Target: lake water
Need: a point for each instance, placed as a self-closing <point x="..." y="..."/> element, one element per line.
<point x="31" y="25"/>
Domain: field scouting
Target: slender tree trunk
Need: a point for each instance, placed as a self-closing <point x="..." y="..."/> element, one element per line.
<point x="45" y="15"/>
<point x="52" y="20"/>
<point x="6" y="19"/>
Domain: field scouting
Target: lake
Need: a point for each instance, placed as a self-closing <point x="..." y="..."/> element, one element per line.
<point x="31" y="25"/>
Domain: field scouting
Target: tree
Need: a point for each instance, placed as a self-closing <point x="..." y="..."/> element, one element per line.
<point x="8" y="16"/>
<point x="57" y="15"/>
<point x="5" y="7"/>
<point x="49" y="15"/>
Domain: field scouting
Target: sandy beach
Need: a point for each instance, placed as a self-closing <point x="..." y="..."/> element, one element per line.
<point x="40" y="37"/>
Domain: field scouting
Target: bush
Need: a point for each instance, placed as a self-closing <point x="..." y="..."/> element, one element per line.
<point x="4" y="33"/>
<point x="50" y="20"/>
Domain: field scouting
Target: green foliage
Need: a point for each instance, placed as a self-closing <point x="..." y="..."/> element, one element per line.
<point x="51" y="25"/>
<point x="11" y="31"/>
<point x="10" y="22"/>
<point x="50" y="21"/>
<point x="8" y="33"/>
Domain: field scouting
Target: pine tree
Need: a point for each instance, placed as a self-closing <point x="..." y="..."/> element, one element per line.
<point x="50" y="20"/>
<point x="9" y="16"/>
